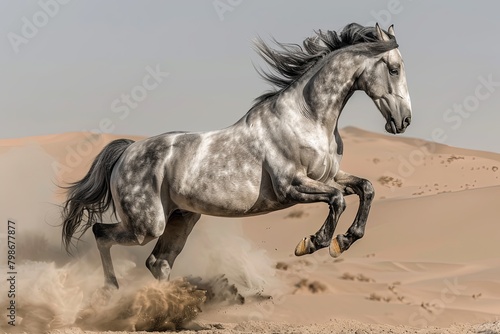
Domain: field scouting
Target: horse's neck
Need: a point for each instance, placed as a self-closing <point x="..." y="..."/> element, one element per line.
<point x="326" y="91"/>
<point x="319" y="95"/>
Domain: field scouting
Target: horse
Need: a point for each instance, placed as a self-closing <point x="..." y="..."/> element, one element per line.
<point x="284" y="151"/>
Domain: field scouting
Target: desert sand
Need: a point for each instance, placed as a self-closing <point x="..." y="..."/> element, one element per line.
<point x="428" y="263"/>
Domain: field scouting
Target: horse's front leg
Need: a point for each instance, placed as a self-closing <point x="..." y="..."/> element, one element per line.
<point x="306" y="190"/>
<point x="363" y="188"/>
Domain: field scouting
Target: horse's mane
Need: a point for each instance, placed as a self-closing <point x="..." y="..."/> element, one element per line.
<point x="291" y="61"/>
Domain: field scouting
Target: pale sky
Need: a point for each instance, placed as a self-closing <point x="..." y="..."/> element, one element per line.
<point x="73" y="71"/>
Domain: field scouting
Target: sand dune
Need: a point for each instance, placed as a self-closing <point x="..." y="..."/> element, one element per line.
<point x="428" y="262"/>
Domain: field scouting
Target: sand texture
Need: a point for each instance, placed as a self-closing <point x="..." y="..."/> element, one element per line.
<point x="429" y="261"/>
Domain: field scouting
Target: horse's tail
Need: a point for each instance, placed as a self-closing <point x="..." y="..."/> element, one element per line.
<point x="90" y="197"/>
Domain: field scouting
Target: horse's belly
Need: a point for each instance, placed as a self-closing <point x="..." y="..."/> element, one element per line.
<point x="229" y="192"/>
<point x="226" y="200"/>
<point x="233" y="210"/>
<point x="222" y="175"/>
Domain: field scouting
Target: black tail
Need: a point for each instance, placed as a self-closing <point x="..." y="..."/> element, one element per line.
<point x="90" y="197"/>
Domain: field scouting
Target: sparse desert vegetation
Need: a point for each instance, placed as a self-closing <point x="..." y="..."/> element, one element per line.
<point x="389" y="181"/>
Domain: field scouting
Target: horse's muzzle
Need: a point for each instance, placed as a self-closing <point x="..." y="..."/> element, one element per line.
<point x="392" y="127"/>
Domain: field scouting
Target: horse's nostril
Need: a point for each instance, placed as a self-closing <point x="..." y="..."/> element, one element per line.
<point x="406" y="121"/>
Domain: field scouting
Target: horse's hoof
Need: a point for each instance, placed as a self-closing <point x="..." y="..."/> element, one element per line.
<point x="335" y="250"/>
<point x="305" y="247"/>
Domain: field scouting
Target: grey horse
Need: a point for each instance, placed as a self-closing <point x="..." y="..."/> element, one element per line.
<point x="286" y="150"/>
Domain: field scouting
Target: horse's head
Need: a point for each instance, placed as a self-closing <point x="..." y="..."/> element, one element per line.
<point x="384" y="80"/>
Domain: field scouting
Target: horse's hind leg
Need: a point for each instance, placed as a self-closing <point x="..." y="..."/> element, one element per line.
<point x="107" y="235"/>
<point x="170" y="243"/>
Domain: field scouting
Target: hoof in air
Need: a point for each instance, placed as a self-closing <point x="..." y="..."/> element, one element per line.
<point x="335" y="250"/>
<point x="304" y="247"/>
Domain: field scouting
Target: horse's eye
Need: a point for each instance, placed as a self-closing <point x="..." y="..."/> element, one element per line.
<point x="393" y="71"/>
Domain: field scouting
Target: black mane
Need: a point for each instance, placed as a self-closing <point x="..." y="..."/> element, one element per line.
<point x="291" y="61"/>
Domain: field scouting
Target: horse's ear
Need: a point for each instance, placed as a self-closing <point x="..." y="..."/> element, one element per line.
<point x="380" y="33"/>
<point x="391" y="30"/>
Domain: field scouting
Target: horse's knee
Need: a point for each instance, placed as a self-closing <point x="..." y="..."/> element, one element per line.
<point x="368" y="190"/>
<point x="338" y="203"/>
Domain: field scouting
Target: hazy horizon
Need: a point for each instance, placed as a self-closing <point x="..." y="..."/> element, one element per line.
<point x="69" y="66"/>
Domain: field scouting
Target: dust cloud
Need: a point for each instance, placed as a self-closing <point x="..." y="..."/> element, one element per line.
<point x="52" y="297"/>
<point x="53" y="290"/>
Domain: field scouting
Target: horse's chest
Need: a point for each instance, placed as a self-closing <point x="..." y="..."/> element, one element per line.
<point x="323" y="165"/>
<point x="324" y="168"/>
